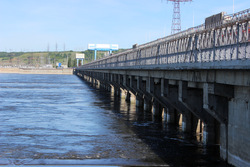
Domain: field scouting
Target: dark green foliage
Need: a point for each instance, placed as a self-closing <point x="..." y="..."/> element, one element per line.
<point x="69" y="62"/>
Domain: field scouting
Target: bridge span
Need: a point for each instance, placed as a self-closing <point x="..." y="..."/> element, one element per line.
<point x="202" y="74"/>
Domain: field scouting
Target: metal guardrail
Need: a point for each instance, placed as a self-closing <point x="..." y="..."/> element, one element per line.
<point x="194" y="45"/>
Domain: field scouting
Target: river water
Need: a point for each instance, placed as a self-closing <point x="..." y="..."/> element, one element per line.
<point x="61" y="120"/>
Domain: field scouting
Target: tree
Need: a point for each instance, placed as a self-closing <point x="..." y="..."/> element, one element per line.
<point x="69" y="62"/>
<point x="74" y="63"/>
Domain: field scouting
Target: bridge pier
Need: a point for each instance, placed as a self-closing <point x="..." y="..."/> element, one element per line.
<point x="208" y="133"/>
<point x="128" y="96"/>
<point x="156" y="109"/>
<point x="170" y="113"/>
<point x="139" y="101"/>
<point x="147" y="106"/>
<point x="117" y="91"/>
<point x="238" y="127"/>
<point x="186" y="122"/>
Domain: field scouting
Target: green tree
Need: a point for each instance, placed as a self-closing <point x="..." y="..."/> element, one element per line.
<point x="69" y="62"/>
<point x="74" y="63"/>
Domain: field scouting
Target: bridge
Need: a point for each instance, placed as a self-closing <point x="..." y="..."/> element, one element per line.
<point x="200" y="75"/>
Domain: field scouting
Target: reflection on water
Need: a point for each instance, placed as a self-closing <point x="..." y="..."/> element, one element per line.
<point x="57" y="119"/>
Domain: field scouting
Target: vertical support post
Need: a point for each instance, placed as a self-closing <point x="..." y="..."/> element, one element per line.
<point x="167" y="45"/>
<point x="117" y="92"/>
<point x="195" y="48"/>
<point x="162" y="87"/>
<point x="238" y="39"/>
<point x="128" y="96"/>
<point x="119" y="79"/>
<point x="182" y="91"/>
<point x="224" y="141"/>
<point x="150" y="85"/>
<point x="138" y="83"/>
<point x="77" y="62"/>
<point x="147" y="105"/>
<point x="95" y="53"/>
<point x="148" y="88"/>
<point x="208" y="133"/>
<point x="170" y="115"/>
<point x="130" y="81"/>
<point x="92" y="81"/>
<point x="138" y="101"/>
<point x="186" y="122"/>
<point x="205" y="95"/>
<point x="157" y="110"/>
<point x="214" y="45"/>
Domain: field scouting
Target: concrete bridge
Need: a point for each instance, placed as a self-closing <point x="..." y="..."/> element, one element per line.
<point x="201" y="74"/>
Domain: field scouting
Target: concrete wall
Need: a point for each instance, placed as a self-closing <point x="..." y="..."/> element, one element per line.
<point x="239" y="127"/>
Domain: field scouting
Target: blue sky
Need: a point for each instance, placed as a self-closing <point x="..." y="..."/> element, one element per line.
<point x="33" y="25"/>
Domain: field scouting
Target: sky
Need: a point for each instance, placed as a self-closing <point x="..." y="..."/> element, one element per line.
<point x="41" y="25"/>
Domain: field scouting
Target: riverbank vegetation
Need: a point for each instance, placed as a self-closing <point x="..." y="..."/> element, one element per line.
<point x="46" y="59"/>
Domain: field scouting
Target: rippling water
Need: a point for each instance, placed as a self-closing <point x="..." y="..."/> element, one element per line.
<point x="59" y="119"/>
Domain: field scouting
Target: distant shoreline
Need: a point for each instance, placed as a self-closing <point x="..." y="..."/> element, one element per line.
<point x="65" y="71"/>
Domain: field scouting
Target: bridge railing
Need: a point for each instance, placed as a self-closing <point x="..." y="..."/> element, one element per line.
<point x="229" y="41"/>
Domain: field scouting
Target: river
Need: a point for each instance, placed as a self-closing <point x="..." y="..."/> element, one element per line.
<point x="61" y="120"/>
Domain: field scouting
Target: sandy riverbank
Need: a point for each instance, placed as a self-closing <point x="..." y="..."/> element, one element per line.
<point x="37" y="71"/>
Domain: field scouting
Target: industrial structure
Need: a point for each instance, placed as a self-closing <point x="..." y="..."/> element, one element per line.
<point x="103" y="47"/>
<point x="176" y="22"/>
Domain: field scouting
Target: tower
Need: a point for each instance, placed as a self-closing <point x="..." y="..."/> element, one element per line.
<point x="176" y="21"/>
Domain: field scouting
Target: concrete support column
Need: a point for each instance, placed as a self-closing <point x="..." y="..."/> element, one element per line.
<point x="108" y="87"/>
<point x="205" y="96"/>
<point x="117" y="92"/>
<point x="111" y="77"/>
<point x="164" y="87"/>
<point x="238" y="127"/>
<point x="130" y="81"/>
<point x="164" y="114"/>
<point x="101" y="85"/>
<point x="139" y="101"/>
<point x="96" y="83"/>
<point x="208" y="133"/>
<point x="92" y="81"/>
<point x="139" y="81"/>
<point x="182" y="91"/>
<point x="223" y="142"/>
<point x="150" y="84"/>
<point x="156" y="109"/>
<point x="147" y="106"/>
<point x="170" y="115"/>
<point x="128" y="96"/>
<point x="119" y="79"/>
<point x="124" y="80"/>
<point x="186" y="123"/>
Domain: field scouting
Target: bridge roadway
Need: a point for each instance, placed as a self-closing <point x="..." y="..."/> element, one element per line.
<point x="202" y="74"/>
